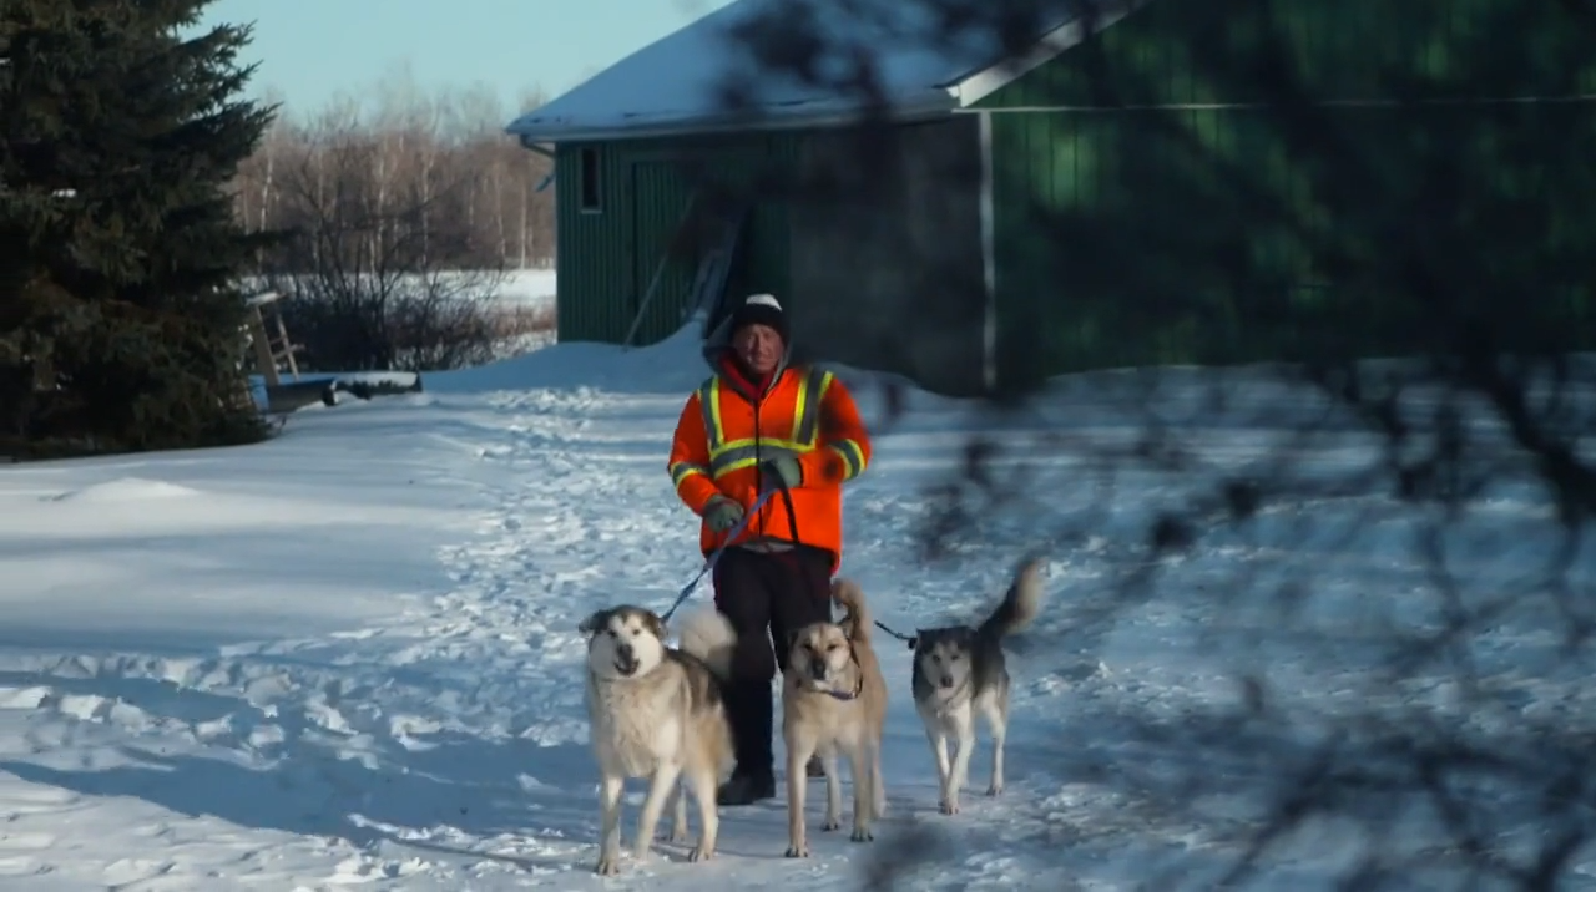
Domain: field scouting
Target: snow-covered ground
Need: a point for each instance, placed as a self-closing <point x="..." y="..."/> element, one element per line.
<point x="349" y="657"/>
<point x="526" y="288"/>
<point x="532" y="287"/>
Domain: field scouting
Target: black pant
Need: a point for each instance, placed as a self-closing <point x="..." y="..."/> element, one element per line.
<point x="767" y="596"/>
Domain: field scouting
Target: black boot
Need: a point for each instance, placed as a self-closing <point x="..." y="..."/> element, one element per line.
<point x="751" y="709"/>
<point x="746" y="788"/>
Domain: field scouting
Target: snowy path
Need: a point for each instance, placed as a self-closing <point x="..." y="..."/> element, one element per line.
<point x="629" y="539"/>
<point x="439" y="743"/>
<point x="349" y="658"/>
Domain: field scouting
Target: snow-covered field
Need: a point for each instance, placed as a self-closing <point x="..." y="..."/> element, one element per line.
<point x="529" y="296"/>
<point x="526" y="288"/>
<point x="512" y="288"/>
<point x="349" y="657"/>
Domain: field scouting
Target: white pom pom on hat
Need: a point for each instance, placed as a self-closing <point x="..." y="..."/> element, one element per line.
<point x="761" y="309"/>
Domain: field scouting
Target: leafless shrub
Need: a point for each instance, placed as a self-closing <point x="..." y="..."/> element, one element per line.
<point x="400" y="220"/>
<point x="511" y="321"/>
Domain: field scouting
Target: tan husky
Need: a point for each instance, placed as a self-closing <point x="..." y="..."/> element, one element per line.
<point x="834" y="700"/>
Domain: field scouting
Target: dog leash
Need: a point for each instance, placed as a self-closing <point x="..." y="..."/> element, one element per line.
<point x="905" y="639"/>
<point x="709" y="563"/>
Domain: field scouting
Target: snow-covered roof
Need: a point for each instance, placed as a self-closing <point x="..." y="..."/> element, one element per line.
<point x="676" y="84"/>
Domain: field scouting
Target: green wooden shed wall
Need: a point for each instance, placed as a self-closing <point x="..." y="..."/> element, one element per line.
<point x="1165" y="168"/>
<point x="606" y="257"/>
<point x="1059" y="153"/>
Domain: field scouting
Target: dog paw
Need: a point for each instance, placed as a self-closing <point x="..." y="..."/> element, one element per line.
<point x="700" y="854"/>
<point x="996" y="789"/>
<point x="862" y="834"/>
<point x="831" y="824"/>
<point x="675" y="834"/>
<point x="607" y="867"/>
<point x="798" y="851"/>
<point x="640" y="855"/>
<point x="949" y="806"/>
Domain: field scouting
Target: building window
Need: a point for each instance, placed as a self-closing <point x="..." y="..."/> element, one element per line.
<point x="590" y="180"/>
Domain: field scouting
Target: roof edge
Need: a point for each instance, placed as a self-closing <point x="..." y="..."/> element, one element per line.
<point x="932" y="105"/>
<point x="978" y="86"/>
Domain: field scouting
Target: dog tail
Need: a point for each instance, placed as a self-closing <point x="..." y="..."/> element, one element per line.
<point x="1019" y="604"/>
<point x="847" y="594"/>
<point x="708" y="636"/>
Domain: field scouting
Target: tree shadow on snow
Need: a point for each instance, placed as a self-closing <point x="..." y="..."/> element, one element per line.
<point x="366" y="789"/>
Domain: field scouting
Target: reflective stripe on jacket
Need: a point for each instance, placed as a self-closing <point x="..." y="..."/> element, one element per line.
<point x="722" y="434"/>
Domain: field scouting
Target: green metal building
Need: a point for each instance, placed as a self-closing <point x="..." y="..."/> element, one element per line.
<point x="978" y="255"/>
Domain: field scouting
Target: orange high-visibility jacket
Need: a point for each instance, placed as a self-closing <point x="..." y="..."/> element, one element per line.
<point x="806" y="411"/>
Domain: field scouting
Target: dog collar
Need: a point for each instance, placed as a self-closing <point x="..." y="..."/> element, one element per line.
<point x="848" y="696"/>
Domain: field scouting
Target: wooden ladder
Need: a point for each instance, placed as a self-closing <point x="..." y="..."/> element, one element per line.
<point x="714" y="268"/>
<point x="274" y="352"/>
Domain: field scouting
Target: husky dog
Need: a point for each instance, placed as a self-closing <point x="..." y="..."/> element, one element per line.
<point x="656" y="712"/>
<point x="959" y="671"/>
<point x="834" y="699"/>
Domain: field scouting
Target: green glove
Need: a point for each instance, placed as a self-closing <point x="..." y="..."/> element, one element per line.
<point x="722" y="513"/>
<point x="782" y="473"/>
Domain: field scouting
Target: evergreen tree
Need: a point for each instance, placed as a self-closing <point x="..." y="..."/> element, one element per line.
<point x="119" y="326"/>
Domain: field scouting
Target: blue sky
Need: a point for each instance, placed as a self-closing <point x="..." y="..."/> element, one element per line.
<point x="311" y="50"/>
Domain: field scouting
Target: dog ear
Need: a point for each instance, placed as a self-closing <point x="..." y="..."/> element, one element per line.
<point x="655" y="625"/>
<point x="593" y="623"/>
<point x="914" y="640"/>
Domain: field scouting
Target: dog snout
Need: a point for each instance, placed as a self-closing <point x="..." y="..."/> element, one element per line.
<point x="946" y="681"/>
<point x="817" y="668"/>
<point x="625" y="659"/>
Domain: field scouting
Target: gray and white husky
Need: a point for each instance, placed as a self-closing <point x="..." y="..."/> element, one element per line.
<point x="960" y="672"/>
<point x="657" y="712"/>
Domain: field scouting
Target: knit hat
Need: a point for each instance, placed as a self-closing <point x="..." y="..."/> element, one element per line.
<point x="763" y="310"/>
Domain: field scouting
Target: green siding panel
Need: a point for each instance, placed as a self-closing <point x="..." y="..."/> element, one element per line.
<point x="606" y="259"/>
<point x="660" y="197"/>
<point x="592" y="267"/>
<point x="1163" y="214"/>
<point x="1178" y="52"/>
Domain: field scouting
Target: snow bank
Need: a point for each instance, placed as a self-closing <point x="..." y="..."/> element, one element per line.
<point x="350" y="656"/>
<point x="672" y="366"/>
<point x="127" y="489"/>
<point x="392" y="377"/>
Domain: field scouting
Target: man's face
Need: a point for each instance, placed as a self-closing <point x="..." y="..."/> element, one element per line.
<point x="759" y="348"/>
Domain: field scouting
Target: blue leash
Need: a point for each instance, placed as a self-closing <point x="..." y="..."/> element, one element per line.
<point x="714" y="556"/>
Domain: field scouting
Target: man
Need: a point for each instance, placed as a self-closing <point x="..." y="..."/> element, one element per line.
<point x="759" y="424"/>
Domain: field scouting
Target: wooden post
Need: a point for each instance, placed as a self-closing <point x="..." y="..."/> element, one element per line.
<point x="288" y="346"/>
<point x="263" y="346"/>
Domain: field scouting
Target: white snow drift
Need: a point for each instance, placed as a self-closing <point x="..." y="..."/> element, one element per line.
<point x="350" y="655"/>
